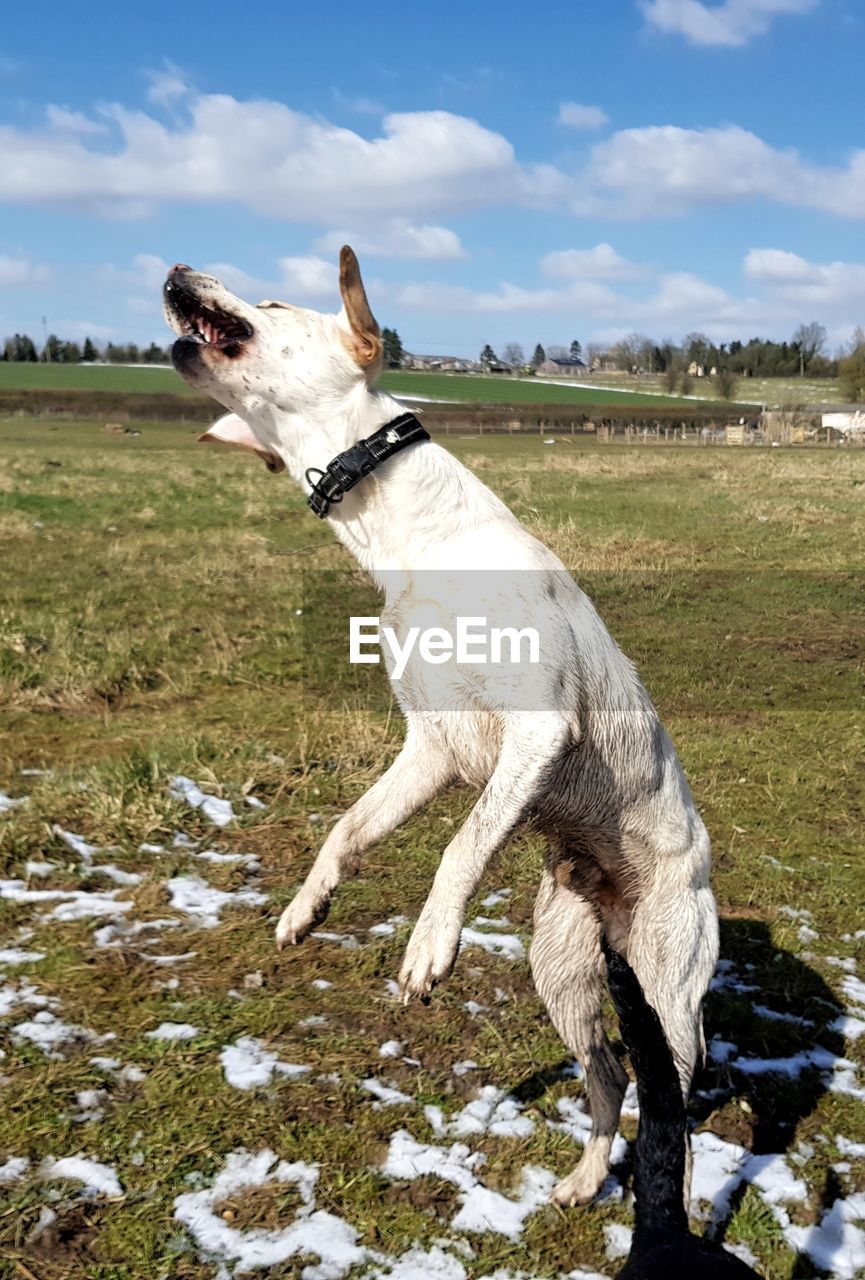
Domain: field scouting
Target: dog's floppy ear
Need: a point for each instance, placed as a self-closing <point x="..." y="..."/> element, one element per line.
<point x="233" y="430"/>
<point x="365" y="332"/>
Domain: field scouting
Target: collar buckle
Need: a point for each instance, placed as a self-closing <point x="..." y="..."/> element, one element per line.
<point x="349" y="467"/>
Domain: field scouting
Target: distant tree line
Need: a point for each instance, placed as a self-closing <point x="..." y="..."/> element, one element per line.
<point x="21" y="349"/>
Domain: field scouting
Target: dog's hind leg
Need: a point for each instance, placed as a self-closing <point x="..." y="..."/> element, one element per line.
<point x="568" y="970"/>
<point x="673" y="944"/>
<point x="420" y="772"/>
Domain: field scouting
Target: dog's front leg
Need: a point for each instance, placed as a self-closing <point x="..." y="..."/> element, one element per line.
<point x="532" y="741"/>
<point x="419" y="773"/>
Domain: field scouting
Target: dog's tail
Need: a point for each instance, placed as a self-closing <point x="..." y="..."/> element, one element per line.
<point x="659" y="1164"/>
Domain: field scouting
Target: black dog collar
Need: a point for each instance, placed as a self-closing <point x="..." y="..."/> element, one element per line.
<point x="350" y="466"/>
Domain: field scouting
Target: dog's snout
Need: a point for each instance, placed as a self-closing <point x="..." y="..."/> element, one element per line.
<point x="178" y="266"/>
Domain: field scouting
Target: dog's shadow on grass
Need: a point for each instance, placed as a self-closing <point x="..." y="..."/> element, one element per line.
<point x="761" y="1109"/>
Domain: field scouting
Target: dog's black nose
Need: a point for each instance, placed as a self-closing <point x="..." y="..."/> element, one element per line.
<point x="178" y="266"/>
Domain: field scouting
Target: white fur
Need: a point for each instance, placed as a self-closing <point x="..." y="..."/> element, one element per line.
<point x="585" y="759"/>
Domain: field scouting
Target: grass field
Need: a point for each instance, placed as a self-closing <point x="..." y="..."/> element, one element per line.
<point x="769" y="391"/>
<point x="150" y="627"/>
<point x="459" y="387"/>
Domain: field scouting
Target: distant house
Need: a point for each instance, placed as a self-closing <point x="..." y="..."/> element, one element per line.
<point x="439" y="364"/>
<point x="849" y="420"/>
<point x="563" y="368"/>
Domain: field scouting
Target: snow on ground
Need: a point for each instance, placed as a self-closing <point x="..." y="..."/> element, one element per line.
<point x="313" y="1232"/>
<point x="173" y="1031"/>
<point x="492" y="1111"/>
<point x="217" y="811"/>
<point x="13" y="1169"/>
<point x="497" y="944"/>
<point x="15" y="955"/>
<point x="98" y="1179"/>
<point x="327" y="1243"/>
<point x="48" y="1032"/>
<point x="248" y="1064"/>
<point x="199" y="900"/>
<point x="387" y="1095"/>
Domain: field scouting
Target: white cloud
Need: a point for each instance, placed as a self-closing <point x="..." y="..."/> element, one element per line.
<point x="507" y="299"/>
<point x="167" y="86"/>
<point x="17" y="273"/>
<point x="578" y="116"/>
<point x="272" y="159"/>
<point x="664" y="169"/>
<point x="397" y="239"/>
<point x="729" y="24"/>
<point x="66" y="121"/>
<point x="600" y="263"/>
<point x="829" y="287"/>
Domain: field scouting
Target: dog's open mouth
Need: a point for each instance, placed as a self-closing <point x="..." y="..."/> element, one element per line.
<point x="206" y="325"/>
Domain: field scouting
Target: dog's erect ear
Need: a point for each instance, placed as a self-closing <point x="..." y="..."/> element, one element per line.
<point x="364" y="328"/>
<point x="233" y="430"/>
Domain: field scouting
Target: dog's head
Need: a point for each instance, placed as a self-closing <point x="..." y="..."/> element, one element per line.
<point x="270" y="359"/>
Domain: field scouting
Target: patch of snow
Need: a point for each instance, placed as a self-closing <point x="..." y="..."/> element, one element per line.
<point x="76" y="843"/>
<point x="312" y="1233"/>
<point x="497" y="944"/>
<point x="464" y="1067"/>
<point x="741" y="1251"/>
<point x="217" y="811"/>
<point x="391" y="1049"/>
<point x="120" y="932"/>
<point x="321" y="984"/>
<point x="474" y="1008"/>
<point x="247" y="860"/>
<point x="720" y="1167"/>
<point x="618" y="1239"/>
<point x="85" y="906"/>
<point x="151" y="848"/>
<point x="721" y="1050"/>
<point x="492" y="1111"/>
<point x="849" y="1027"/>
<point x="12" y="995"/>
<point x="38" y="869"/>
<point x="173" y="1031"/>
<point x="496" y="898"/>
<point x="422" y="1264"/>
<point x="854" y="990"/>
<point x="774" y="1016"/>
<point x="486" y="1210"/>
<point x="856" y="1150"/>
<point x="409" y="1159"/>
<point x="254" y="802"/>
<point x="196" y="898"/>
<point x="387" y="1095"/>
<point x="346" y="940"/>
<point x="16" y="956"/>
<point x="384" y="930"/>
<point x="99" y="1179"/>
<point x="249" y="1065"/>
<point x="13" y="1169"/>
<point x="47" y="1032"/>
<point x="7" y="803"/>
<point x="116" y="875"/>
<point x="835" y="1244"/>
<point x="90" y="1104"/>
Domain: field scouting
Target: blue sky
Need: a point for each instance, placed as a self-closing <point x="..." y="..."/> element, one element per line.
<point x="584" y="170"/>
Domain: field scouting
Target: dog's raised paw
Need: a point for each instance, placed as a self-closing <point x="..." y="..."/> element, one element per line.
<point x="296" y="921"/>
<point x="429" y="958"/>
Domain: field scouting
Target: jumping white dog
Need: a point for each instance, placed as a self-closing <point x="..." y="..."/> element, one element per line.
<point x="582" y="755"/>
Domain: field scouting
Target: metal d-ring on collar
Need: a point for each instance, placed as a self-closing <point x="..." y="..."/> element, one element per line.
<point x="350" y="466"/>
